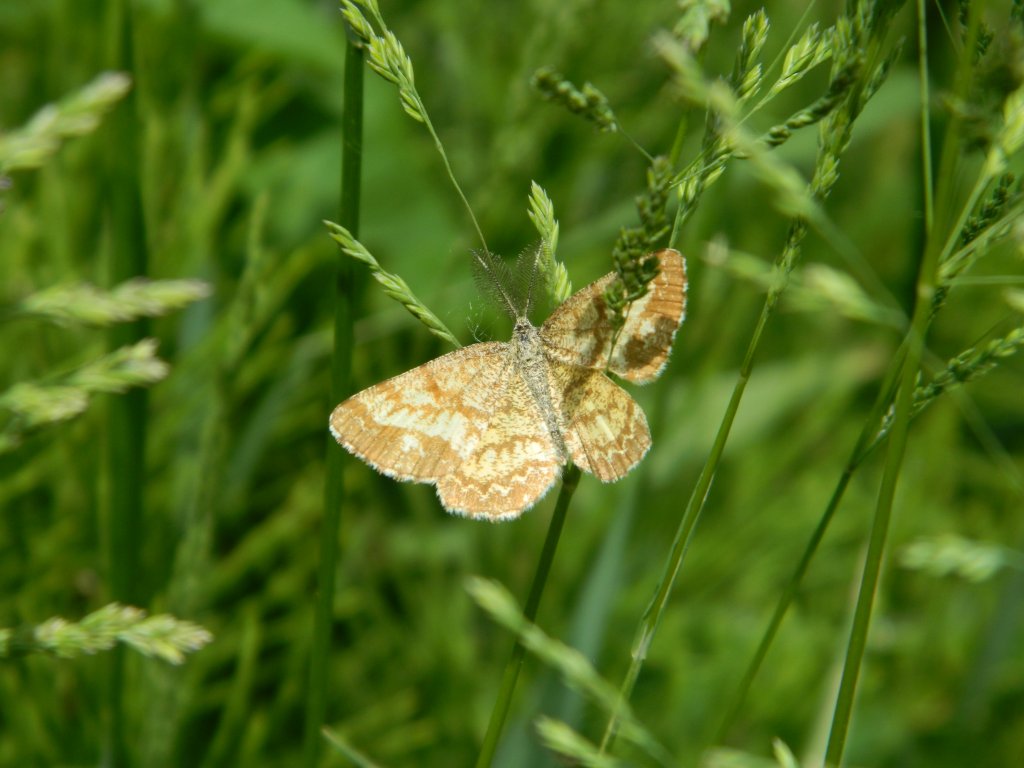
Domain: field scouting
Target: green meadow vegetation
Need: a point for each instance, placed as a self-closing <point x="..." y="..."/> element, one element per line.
<point x="219" y="219"/>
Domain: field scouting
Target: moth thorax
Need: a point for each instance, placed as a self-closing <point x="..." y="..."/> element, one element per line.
<point x="530" y="363"/>
<point x="526" y="341"/>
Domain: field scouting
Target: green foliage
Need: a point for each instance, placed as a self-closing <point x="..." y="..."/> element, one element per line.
<point x="570" y="663"/>
<point x="789" y="137"/>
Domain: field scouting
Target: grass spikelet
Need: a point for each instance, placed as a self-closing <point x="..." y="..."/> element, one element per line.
<point x="989" y="210"/>
<point x="587" y="102"/>
<point x="163" y="636"/>
<point x="967" y="366"/>
<point x="993" y="222"/>
<point x="730" y="137"/>
<point x="816" y="288"/>
<point x="633" y="254"/>
<point x="804" y="55"/>
<point x="75" y="115"/>
<point x="542" y="214"/>
<point x="953" y="555"/>
<point x="87" y="305"/>
<point x="747" y="72"/>
<point x="393" y="285"/>
<point x="31" y="405"/>
<point x="387" y="57"/>
<point x="133" y="366"/>
<point x="838" y="89"/>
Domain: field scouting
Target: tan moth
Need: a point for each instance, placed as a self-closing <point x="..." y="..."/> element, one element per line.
<point x="492" y="424"/>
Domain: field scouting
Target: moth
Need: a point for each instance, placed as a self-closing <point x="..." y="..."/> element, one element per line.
<point x="492" y="425"/>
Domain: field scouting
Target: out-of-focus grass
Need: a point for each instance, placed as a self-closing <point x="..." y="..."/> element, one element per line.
<point x="237" y="120"/>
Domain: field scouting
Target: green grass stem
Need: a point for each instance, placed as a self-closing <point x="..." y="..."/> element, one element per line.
<point x="926" y="285"/>
<point x="883" y="513"/>
<point x="126" y="415"/>
<point x="387" y="57"/>
<point x="829" y="150"/>
<point x="680" y="543"/>
<point x="926" y="137"/>
<point x="570" y="480"/>
<point x="652" y="615"/>
<point x="866" y="442"/>
<point x="341" y="364"/>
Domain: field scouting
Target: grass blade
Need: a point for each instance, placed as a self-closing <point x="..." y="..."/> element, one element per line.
<point x="341" y="363"/>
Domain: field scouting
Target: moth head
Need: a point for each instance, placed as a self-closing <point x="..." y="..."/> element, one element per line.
<point x="523" y="328"/>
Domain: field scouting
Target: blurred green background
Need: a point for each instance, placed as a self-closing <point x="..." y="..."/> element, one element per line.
<point x="235" y="113"/>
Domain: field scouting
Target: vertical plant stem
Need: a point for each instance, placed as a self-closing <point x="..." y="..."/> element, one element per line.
<point x="126" y="415"/>
<point x="894" y="458"/>
<point x="830" y="148"/>
<point x="680" y="544"/>
<point x="866" y="442"/>
<point x="883" y="515"/>
<point x="341" y="362"/>
<point x="926" y="136"/>
<point x="570" y="480"/>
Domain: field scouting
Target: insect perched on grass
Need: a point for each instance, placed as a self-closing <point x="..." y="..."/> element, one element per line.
<point x="492" y="424"/>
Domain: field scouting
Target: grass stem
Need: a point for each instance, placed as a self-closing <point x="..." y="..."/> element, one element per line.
<point x="126" y="415"/>
<point x="341" y="362"/>
<point x="570" y="480"/>
<point x="898" y="434"/>
<point x="866" y="442"/>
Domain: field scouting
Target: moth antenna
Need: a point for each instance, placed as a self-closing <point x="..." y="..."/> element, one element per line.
<point x="492" y="277"/>
<point x="534" y="264"/>
<point x="527" y="269"/>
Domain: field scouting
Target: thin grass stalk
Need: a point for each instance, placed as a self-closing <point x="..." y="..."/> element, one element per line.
<point x="883" y="514"/>
<point x="821" y="187"/>
<point x="341" y="364"/>
<point x="388" y="58"/>
<point x="652" y="616"/>
<point x="861" y="450"/>
<point x="923" y="312"/>
<point x="680" y="544"/>
<point x="926" y="138"/>
<point x="454" y="181"/>
<point x="570" y="480"/>
<point x="126" y="414"/>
